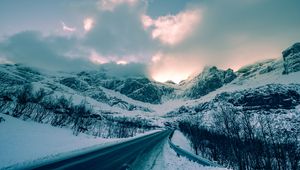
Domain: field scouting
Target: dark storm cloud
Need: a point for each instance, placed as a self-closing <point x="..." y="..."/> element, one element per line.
<point x="31" y="48"/>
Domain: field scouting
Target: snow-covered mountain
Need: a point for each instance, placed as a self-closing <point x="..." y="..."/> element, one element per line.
<point x="145" y="98"/>
<point x="143" y="94"/>
<point x="256" y="98"/>
<point x="270" y="87"/>
<point x="253" y="121"/>
<point x="209" y="80"/>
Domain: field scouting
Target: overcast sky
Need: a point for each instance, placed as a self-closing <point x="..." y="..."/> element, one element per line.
<point x="164" y="39"/>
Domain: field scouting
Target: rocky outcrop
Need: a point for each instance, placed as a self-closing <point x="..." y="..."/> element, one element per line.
<point x="272" y="96"/>
<point x="209" y="80"/>
<point x="291" y="58"/>
<point x="268" y="99"/>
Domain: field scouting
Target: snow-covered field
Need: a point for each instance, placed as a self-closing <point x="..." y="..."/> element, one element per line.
<point x="23" y="143"/>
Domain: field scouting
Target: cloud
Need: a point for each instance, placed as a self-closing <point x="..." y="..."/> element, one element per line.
<point x="125" y="70"/>
<point x="120" y="34"/>
<point x="172" y="29"/>
<point x="97" y="59"/>
<point x="172" y="40"/>
<point x="67" y="28"/>
<point x="4" y="60"/>
<point x="157" y="57"/>
<point x="51" y="52"/>
<point x="122" y="62"/>
<point x="110" y="5"/>
<point x="230" y="34"/>
<point x="88" y="24"/>
<point x="61" y="53"/>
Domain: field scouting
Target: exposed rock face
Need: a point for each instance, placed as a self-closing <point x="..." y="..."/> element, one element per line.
<point x="141" y="89"/>
<point x="137" y="88"/>
<point x="272" y="96"/>
<point x="209" y="80"/>
<point x="291" y="58"/>
<point x="268" y="99"/>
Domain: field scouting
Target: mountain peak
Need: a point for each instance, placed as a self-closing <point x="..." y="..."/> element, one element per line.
<point x="210" y="79"/>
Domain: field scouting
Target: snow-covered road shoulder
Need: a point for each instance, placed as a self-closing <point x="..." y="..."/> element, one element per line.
<point x="25" y="143"/>
<point x="180" y="140"/>
<point x="180" y="144"/>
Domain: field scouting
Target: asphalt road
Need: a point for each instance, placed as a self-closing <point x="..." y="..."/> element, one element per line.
<point x="115" y="157"/>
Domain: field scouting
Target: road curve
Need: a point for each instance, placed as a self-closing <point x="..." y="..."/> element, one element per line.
<point x="117" y="157"/>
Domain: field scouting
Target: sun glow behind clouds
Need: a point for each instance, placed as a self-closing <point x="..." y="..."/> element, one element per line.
<point x="122" y="62"/>
<point x="170" y="75"/>
<point x="165" y="67"/>
<point x="97" y="59"/>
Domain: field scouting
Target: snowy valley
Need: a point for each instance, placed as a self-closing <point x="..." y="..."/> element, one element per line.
<point x="257" y="106"/>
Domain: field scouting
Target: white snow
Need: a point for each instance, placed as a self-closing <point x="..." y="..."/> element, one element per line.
<point x="23" y="143"/>
<point x="169" y="160"/>
<point x="163" y="157"/>
<point x="180" y="140"/>
<point x="173" y="162"/>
